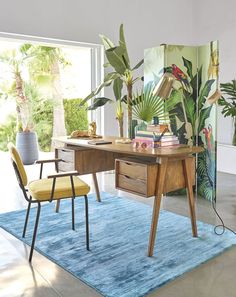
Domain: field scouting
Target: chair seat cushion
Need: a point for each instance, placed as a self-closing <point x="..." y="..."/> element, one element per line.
<point x="41" y="189"/>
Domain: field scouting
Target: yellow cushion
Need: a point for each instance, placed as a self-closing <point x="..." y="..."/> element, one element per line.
<point x="17" y="159"/>
<point x="41" y="189"/>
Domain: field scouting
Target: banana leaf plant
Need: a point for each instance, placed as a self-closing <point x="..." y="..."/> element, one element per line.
<point x="121" y="78"/>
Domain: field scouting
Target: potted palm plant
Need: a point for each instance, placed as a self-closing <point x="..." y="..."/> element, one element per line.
<point x="228" y="102"/>
<point x="26" y="139"/>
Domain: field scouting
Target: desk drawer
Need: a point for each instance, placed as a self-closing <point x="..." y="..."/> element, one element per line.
<point x="132" y="185"/>
<point x="68" y="159"/>
<point x="66" y="155"/>
<point x="134" y="170"/>
<point x="137" y="176"/>
<point x="66" y="166"/>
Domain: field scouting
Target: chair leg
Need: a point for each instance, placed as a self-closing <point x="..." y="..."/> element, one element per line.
<point x="26" y="219"/>
<point x="73" y="212"/>
<point x="35" y="232"/>
<point x="87" y="221"/>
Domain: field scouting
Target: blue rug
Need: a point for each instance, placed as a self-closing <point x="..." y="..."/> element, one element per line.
<point x="117" y="264"/>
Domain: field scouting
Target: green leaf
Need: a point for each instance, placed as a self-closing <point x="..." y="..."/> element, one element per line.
<point x="146" y="105"/>
<point x="106" y="42"/>
<point x="204" y="114"/>
<point x="189" y="67"/>
<point x="105" y="65"/>
<point x="122" y="44"/>
<point x="138" y="65"/>
<point x="204" y="93"/>
<point x="111" y="76"/>
<point x="190" y="108"/>
<point x="96" y="91"/>
<point x="117" y="88"/>
<point x="24" y="48"/>
<point x="175" y="98"/>
<point x="196" y="83"/>
<point x="229" y="89"/>
<point x="98" y="102"/>
<point x="115" y="57"/>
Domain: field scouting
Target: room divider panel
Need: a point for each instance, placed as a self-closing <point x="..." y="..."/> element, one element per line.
<point x="192" y="110"/>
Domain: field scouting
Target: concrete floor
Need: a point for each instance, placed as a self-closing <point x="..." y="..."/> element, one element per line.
<point x="216" y="278"/>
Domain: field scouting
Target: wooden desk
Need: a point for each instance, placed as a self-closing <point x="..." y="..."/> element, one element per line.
<point x="87" y="158"/>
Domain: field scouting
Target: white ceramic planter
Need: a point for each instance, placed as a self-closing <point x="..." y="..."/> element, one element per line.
<point x="27" y="146"/>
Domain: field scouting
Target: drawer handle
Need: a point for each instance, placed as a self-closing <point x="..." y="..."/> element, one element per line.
<point x="126" y="176"/>
<point x="128" y="163"/>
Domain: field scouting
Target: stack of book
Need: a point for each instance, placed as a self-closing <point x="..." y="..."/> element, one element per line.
<point x="157" y="128"/>
<point x="152" y="136"/>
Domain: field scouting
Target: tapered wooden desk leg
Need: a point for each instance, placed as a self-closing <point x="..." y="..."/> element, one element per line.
<point x="57" y="206"/>
<point x="96" y="187"/>
<point x="157" y="204"/>
<point x="189" y="186"/>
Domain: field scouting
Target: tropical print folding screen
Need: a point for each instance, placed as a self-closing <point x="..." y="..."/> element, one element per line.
<point x="191" y="115"/>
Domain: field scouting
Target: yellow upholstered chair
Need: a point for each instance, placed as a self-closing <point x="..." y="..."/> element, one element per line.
<point x="58" y="186"/>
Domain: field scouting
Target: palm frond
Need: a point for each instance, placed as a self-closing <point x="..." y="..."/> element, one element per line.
<point x="147" y="105"/>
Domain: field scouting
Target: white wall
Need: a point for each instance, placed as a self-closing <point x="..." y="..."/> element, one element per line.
<point x="216" y="20"/>
<point x="147" y="24"/>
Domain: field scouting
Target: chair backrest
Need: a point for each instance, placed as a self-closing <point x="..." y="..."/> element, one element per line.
<point x="20" y="172"/>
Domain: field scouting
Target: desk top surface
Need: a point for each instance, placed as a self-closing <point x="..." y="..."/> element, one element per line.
<point x="128" y="148"/>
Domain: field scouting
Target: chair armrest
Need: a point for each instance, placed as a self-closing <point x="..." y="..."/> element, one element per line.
<point x="47" y="161"/>
<point x="62" y="174"/>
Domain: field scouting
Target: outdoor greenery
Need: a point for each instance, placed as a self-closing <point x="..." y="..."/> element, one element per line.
<point x="44" y="68"/>
<point x="75" y="118"/>
<point x="35" y="87"/>
<point x="16" y="59"/>
<point x="8" y="132"/>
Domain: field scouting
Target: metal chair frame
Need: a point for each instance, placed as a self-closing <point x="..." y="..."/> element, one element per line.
<point x="38" y="202"/>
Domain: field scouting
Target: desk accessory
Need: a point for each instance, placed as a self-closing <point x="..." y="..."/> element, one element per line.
<point x="90" y="133"/>
<point x="99" y="142"/>
<point x="123" y="141"/>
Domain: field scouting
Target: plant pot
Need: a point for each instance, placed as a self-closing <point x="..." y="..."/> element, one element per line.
<point x="27" y="146"/>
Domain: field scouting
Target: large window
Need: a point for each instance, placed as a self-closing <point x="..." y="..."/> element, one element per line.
<point x="42" y="83"/>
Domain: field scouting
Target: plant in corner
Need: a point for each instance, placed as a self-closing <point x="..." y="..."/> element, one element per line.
<point x="229" y="103"/>
<point x="120" y="76"/>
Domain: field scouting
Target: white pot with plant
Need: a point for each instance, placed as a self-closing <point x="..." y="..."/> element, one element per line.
<point x="26" y="139"/>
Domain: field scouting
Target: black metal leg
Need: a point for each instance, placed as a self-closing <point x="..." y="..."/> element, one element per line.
<point x="73" y="202"/>
<point x="35" y="232"/>
<point x="73" y="213"/>
<point x="87" y="221"/>
<point x="26" y="219"/>
<point x="41" y="171"/>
